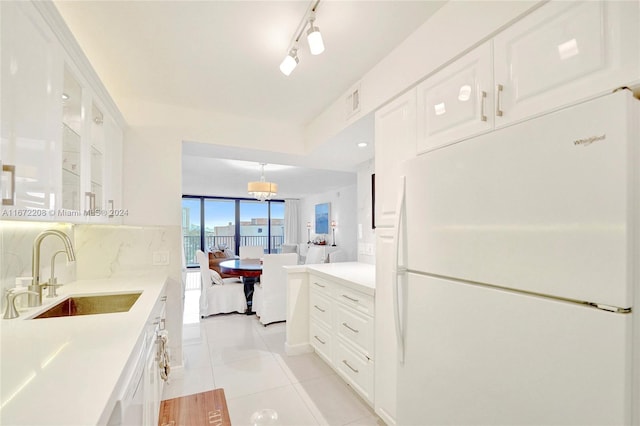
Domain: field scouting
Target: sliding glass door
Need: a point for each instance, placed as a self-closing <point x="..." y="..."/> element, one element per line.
<point x="191" y="235"/>
<point x="211" y="223"/>
<point x="219" y="224"/>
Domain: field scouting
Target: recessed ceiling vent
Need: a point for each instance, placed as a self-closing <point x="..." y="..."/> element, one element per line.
<point x="353" y="101"/>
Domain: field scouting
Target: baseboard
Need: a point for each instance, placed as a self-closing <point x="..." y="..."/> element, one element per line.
<point x="303" y="348"/>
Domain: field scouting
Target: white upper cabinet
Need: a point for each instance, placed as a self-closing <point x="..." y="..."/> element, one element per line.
<point x="395" y="142"/>
<point x="456" y="102"/>
<point x="31" y="109"/>
<point x="55" y="146"/>
<point x="563" y="53"/>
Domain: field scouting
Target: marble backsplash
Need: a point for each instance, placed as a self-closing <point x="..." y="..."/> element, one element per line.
<point x="102" y="251"/>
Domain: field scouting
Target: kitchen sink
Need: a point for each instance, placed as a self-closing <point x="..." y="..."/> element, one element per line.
<point x="91" y="305"/>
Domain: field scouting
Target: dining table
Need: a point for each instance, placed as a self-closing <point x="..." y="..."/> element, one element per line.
<point x="249" y="270"/>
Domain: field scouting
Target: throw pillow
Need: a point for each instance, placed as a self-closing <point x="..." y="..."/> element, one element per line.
<point x="215" y="278"/>
<point x="228" y="253"/>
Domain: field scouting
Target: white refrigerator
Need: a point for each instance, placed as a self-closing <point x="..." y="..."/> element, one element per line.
<point x="518" y="272"/>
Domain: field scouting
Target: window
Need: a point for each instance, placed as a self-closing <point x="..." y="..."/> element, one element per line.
<point x="210" y="223"/>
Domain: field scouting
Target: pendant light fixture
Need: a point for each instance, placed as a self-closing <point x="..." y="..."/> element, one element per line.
<point x="262" y="190"/>
<point x="314" y="38"/>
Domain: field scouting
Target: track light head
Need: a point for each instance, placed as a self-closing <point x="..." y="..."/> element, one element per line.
<point x="314" y="38"/>
<point x="290" y="62"/>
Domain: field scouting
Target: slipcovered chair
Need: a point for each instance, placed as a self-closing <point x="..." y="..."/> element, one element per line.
<point x="270" y="295"/>
<point x="251" y="252"/>
<point x="289" y="248"/>
<point x="337" y="256"/>
<point x="315" y="255"/>
<point x="218" y="295"/>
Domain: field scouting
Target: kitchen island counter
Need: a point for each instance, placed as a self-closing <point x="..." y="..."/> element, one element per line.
<point x="71" y="370"/>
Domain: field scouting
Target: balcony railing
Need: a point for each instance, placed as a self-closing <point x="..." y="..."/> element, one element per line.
<point x="192" y="244"/>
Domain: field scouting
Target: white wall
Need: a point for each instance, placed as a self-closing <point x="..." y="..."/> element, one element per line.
<point x="366" y="234"/>
<point x="343" y="210"/>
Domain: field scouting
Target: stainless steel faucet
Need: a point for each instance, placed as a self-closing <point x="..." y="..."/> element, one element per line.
<point x="36" y="287"/>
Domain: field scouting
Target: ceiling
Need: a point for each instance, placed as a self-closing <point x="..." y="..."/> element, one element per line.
<point x="224" y="56"/>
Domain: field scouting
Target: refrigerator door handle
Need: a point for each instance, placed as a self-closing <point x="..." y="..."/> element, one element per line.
<point x="398" y="270"/>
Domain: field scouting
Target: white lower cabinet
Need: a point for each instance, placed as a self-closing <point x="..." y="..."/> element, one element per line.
<point x="355" y="368"/>
<point x="341" y="322"/>
<point x="139" y="403"/>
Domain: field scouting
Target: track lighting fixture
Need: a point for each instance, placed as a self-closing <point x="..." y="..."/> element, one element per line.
<point x="314" y="38"/>
<point x="290" y="62"/>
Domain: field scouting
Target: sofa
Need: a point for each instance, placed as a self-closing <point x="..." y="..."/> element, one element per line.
<point x="217" y="256"/>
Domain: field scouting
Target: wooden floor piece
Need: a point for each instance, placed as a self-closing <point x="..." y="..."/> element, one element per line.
<point x="199" y="409"/>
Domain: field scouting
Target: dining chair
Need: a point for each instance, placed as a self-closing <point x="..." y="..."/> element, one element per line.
<point x="251" y="252"/>
<point x="218" y="295"/>
<point x="270" y="295"/>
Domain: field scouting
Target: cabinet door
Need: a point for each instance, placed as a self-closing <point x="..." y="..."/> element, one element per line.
<point x="72" y="128"/>
<point x="395" y="142"/>
<point x="96" y="158"/>
<point x="563" y="53"/>
<point x="31" y="80"/>
<point x="113" y="171"/>
<point x="386" y="350"/>
<point x="456" y="102"/>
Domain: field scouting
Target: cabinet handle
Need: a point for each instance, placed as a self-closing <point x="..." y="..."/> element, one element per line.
<point x="319" y="285"/>
<point x="344" y="361"/>
<point x="350" y="298"/>
<point x="483" y="117"/>
<point x="319" y="308"/>
<point x="163" y="298"/>
<point x="12" y="200"/>
<point x="499" y="89"/>
<point x="320" y="340"/>
<point x="350" y="328"/>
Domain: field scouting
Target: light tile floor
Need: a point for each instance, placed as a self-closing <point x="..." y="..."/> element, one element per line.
<point x="237" y="353"/>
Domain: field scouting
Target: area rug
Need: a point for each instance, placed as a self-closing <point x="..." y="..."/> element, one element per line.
<point x="205" y="408"/>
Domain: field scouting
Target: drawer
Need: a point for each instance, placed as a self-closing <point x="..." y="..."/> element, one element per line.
<point x="321" y="340"/>
<point x="320" y="284"/>
<point x="355" y="368"/>
<point x="321" y="307"/>
<point x="355" y="327"/>
<point x="359" y="301"/>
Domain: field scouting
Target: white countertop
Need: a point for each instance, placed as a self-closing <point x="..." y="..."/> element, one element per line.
<point x="66" y="371"/>
<point x="355" y="275"/>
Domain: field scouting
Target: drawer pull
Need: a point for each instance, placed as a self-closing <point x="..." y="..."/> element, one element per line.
<point x="344" y="361"/>
<point x="320" y="340"/>
<point x="352" y="329"/>
<point x="319" y="308"/>
<point x="319" y="285"/>
<point x="350" y="298"/>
